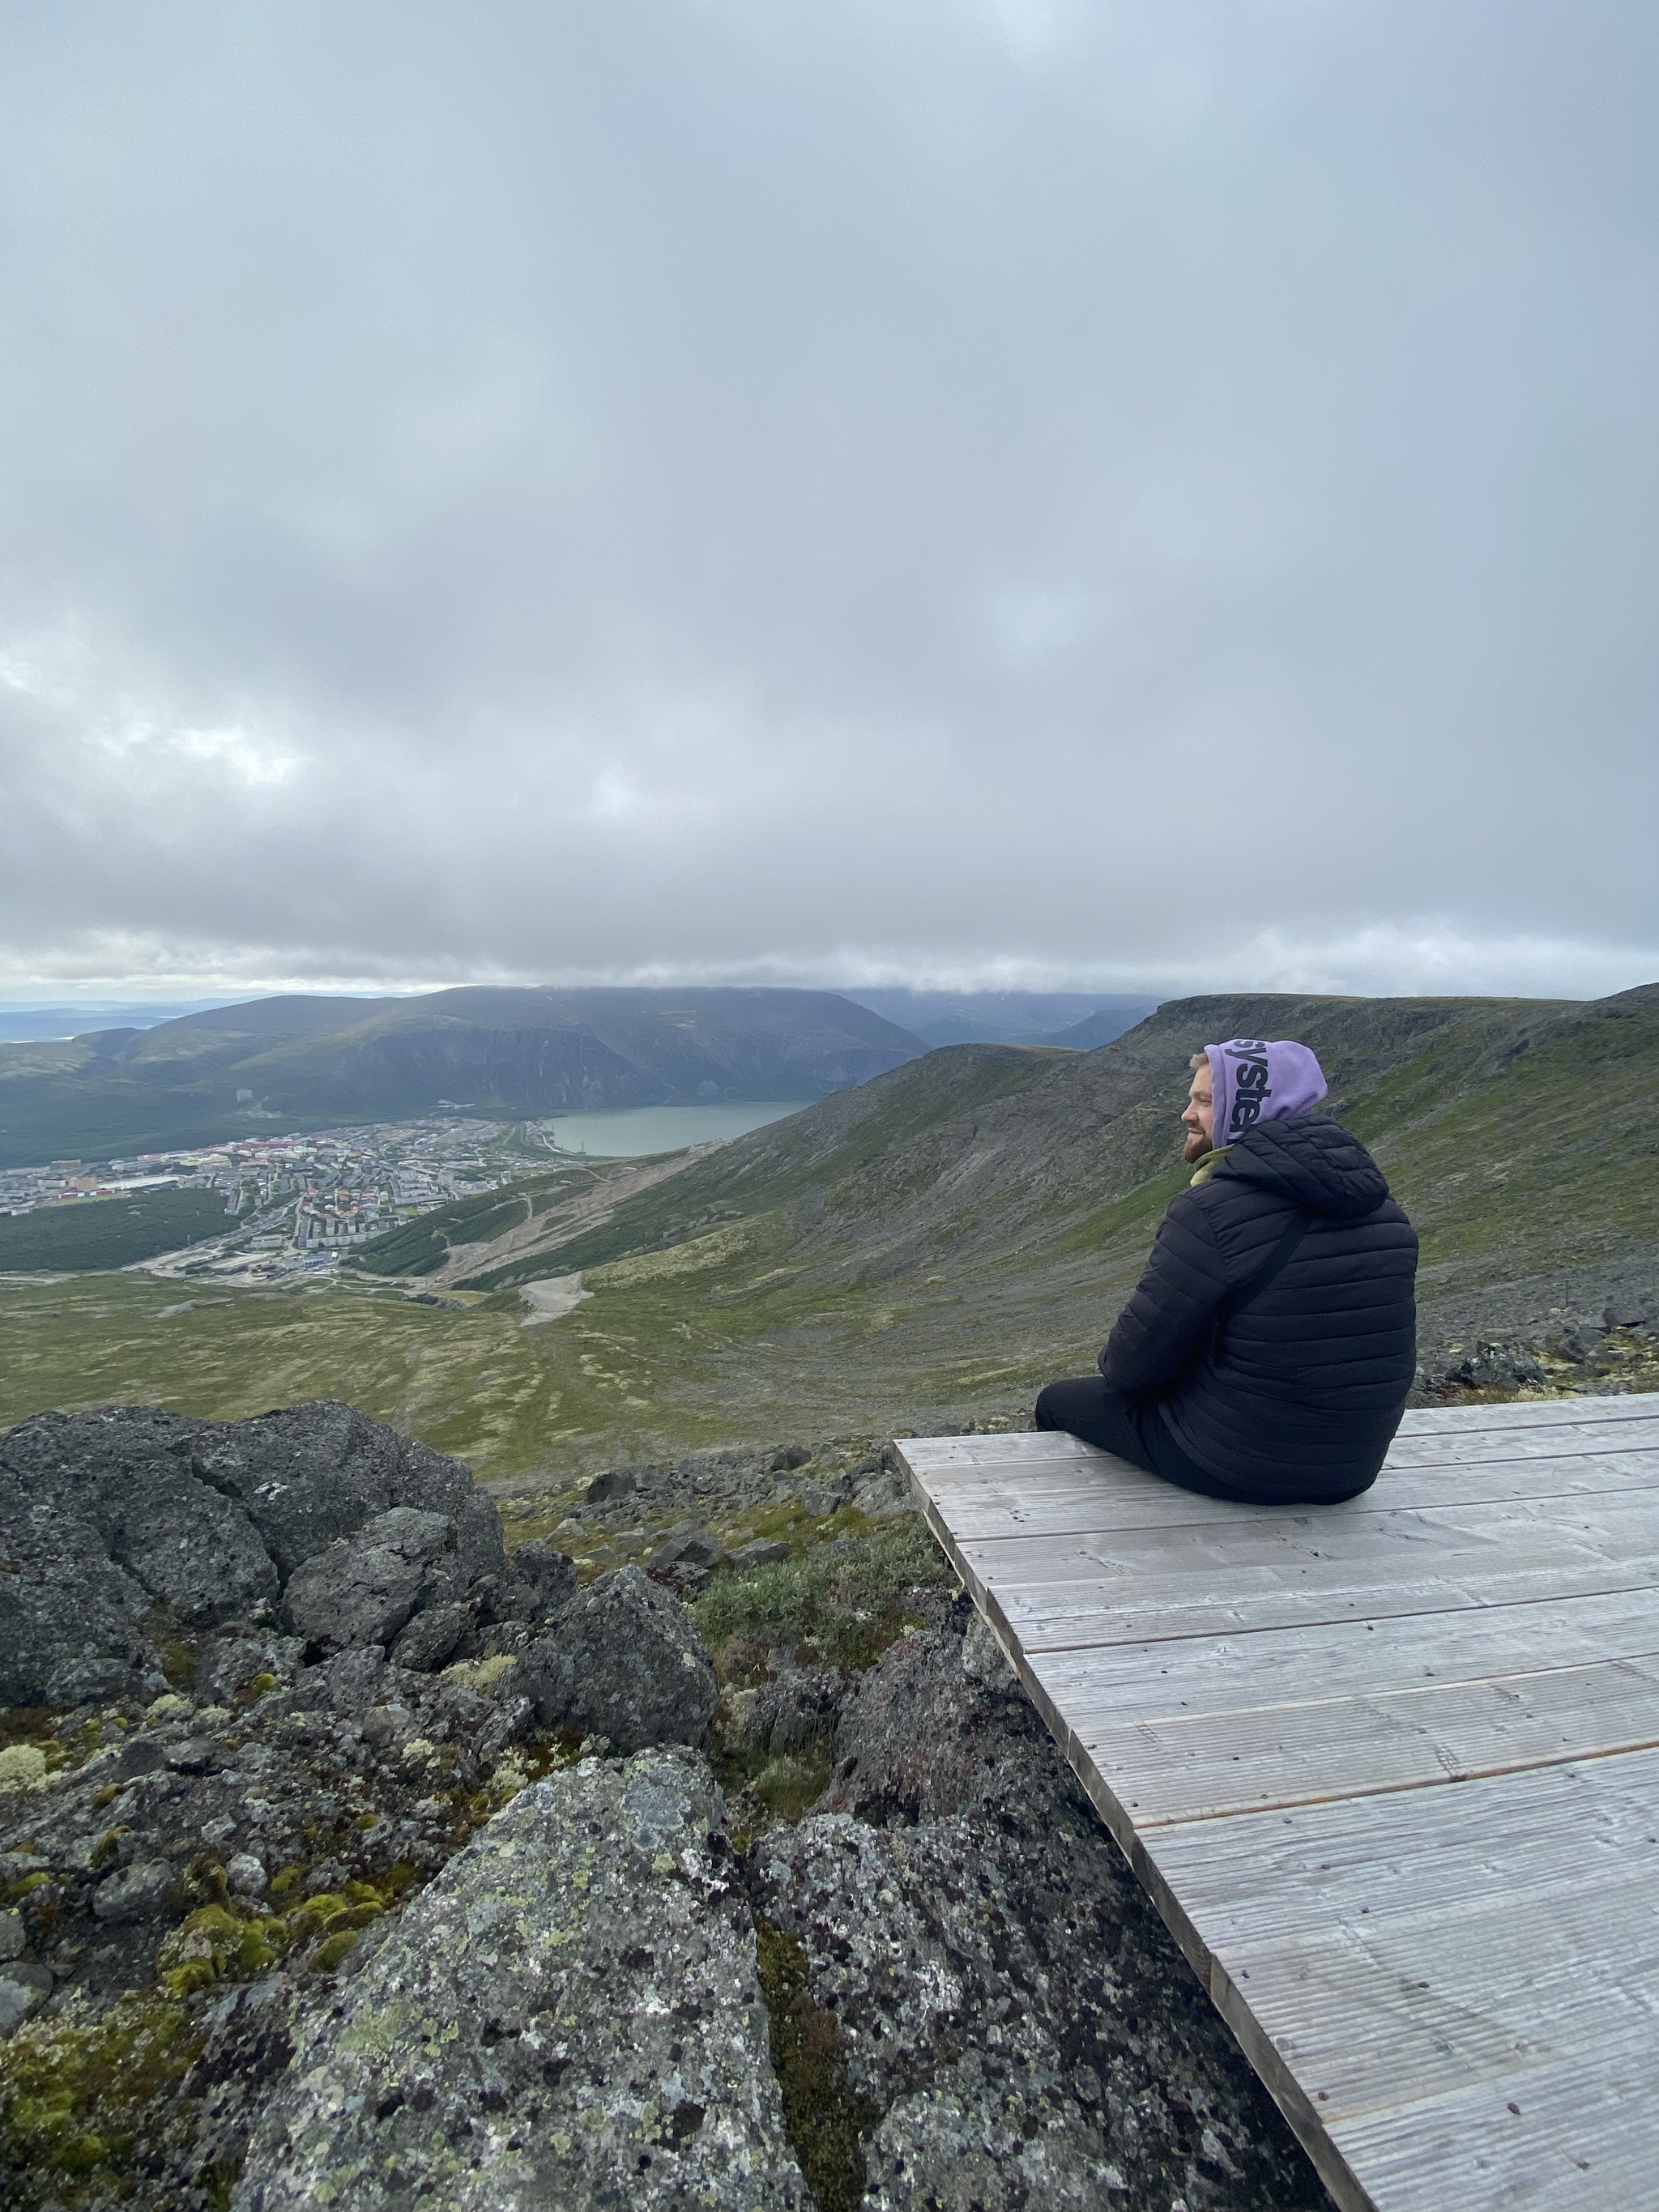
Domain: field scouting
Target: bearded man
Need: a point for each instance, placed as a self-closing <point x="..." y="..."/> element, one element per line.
<point x="1267" y="1351"/>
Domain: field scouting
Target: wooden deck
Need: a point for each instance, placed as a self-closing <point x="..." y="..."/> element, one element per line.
<point x="1390" y="1771"/>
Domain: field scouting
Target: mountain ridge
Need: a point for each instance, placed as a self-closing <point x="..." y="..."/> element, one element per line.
<point x="310" y="1062"/>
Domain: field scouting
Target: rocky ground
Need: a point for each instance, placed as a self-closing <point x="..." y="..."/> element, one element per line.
<point x="1517" y="1344"/>
<point x="674" y="1834"/>
<point x="350" y="1853"/>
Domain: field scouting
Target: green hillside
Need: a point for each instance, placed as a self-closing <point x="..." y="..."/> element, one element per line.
<point x="422" y="1246"/>
<point x="928" y="1247"/>
<point x="316" y="1062"/>
<point x="110" y="1232"/>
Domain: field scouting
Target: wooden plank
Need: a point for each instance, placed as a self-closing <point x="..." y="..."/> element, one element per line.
<point x="1460" y="1447"/>
<point x="1406" y="1968"/>
<point x="1197" y="1766"/>
<point x="1094" y="1617"/>
<point x="1517" y="1415"/>
<point x="1080" y="1499"/>
<point x="1113" y="1610"/>
<point x="1132" y="1682"/>
<point x="1533" y="1412"/>
<point x="1447" y="1541"/>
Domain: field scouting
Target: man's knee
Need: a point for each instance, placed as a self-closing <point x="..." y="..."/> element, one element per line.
<point x="1044" y="1413"/>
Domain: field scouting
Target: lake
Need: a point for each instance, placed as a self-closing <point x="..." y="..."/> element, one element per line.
<point x="620" y="1132"/>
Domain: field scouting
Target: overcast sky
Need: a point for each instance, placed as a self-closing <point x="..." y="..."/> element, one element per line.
<point x="954" y="492"/>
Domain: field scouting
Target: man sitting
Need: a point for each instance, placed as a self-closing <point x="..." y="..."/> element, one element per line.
<point x="1268" y="1349"/>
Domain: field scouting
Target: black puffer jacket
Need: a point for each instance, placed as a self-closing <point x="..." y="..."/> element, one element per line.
<point x="1299" y="1394"/>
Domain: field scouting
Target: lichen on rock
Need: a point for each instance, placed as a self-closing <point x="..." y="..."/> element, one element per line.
<point x="569" y="2015"/>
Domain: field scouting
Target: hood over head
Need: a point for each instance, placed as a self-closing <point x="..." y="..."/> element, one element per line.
<point x="1319" y="1163"/>
<point x="1254" y="1081"/>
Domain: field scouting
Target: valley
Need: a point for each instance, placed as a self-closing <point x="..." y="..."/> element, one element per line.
<point x="919" y="1252"/>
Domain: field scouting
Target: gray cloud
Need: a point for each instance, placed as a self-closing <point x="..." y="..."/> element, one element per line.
<point x="890" y="493"/>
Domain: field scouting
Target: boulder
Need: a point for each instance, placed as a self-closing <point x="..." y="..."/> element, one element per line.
<point x="760" y="1552"/>
<point x="363" y="1588"/>
<point x="569" y="2015"/>
<point x="312" y="1474"/>
<point x="1013" y="2017"/>
<point x="431" y="1638"/>
<point x="939" y="1727"/>
<point x="1628" y="1312"/>
<point x="72" y="1621"/>
<point x="691" y="1547"/>
<point x="624" y="1661"/>
<point x="540" y="1582"/>
<point x="24" y="1988"/>
<point x="106" y="1516"/>
<point x="1497" y="1366"/>
<point x="137" y="1893"/>
<point x="800" y="1706"/>
<point x="615" y="1482"/>
<point x="231" y="1662"/>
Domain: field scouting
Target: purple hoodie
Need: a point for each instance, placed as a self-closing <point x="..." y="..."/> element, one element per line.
<point x="1253" y="1082"/>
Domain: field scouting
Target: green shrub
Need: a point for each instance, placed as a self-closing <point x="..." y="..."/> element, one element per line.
<point x="846" y="1599"/>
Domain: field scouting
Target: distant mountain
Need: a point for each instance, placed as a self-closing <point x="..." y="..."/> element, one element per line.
<point x="941" y="1017"/>
<point x="52" y="1025"/>
<point x="1097" y="1028"/>
<point x="301" y="1062"/>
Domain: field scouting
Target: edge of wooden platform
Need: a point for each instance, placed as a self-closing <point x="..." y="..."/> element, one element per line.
<point x="1304" y="2120"/>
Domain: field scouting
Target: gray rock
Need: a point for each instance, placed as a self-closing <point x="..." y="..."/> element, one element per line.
<point x="821" y="1499"/>
<point x="192" y="1754"/>
<point x="690" y="1547"/>
<point x="788" y="1457"/>
<point x="936" y="1729"/>
<point x="137" y="1893"/>
<point x="800" y="1706"/>
<point x="346" y="1683"/>
<point x="615" y="1482"/>
<point x="569" y="2015"/>
<point x="994" y="1963"/>
<point x="624" y="1661"/>
<point x="884" y="1492"/>
<point x="984" y="1660"/>
<point x="363" y="1590"/>
<point x="996" y="2134"/>
<point x="543" y="1580"/>
<point x="127" y="1473"/>
<point x="71" y="1626"/>
<point x="1627" y="1313"/>
<point x="244" y="1873"/>
<point x="312" y="1474"/>
<point x="24" y="1988"/>
<point x="227" y="1666"/>
<point x="12" y="1940"/>
<point x="762" y="1552"/>
<point x="1497" y="1366"/>
<point x="190" y="1548"/>
<point x="104" y="1515"/>
<point x="431" y="1638"/>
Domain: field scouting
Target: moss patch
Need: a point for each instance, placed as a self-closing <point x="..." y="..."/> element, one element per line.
<point x="80" y="2105"/>
<point x="823" y="2115"/>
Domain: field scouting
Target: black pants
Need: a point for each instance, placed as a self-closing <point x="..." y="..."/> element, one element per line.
<point x="1089" y="1408"/>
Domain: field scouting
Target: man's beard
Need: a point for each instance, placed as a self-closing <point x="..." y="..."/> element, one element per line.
<point x="1196" y="1147"/>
